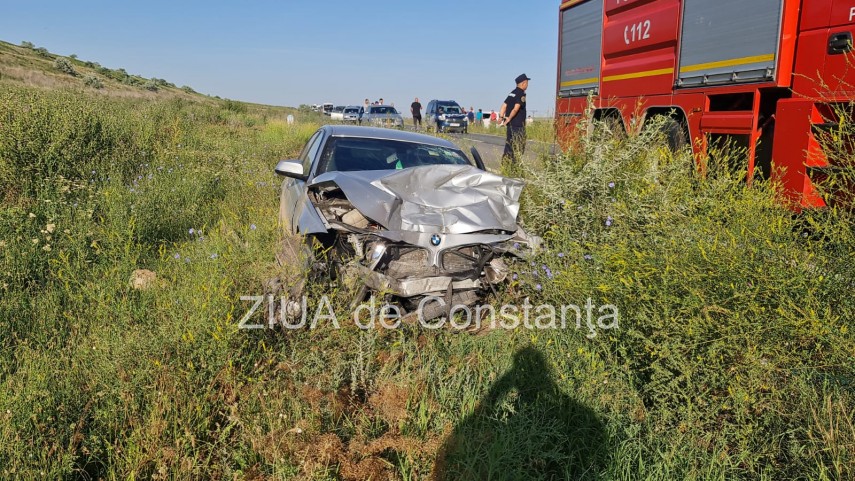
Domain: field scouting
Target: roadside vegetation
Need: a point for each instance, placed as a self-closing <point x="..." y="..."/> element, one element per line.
<point x="733" y="357"/>
<point x="540" y="130"/>
<point x="26" y="64"/>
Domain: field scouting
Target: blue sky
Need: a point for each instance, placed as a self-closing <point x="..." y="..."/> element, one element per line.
<point x="291" y="52"/>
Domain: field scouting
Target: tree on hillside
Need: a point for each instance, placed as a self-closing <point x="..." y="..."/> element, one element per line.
<point x="63" y="65"/>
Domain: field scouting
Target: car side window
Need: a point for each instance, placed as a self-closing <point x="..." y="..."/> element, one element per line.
<point x="305" y="151"/>
<point x="310" y="151"/>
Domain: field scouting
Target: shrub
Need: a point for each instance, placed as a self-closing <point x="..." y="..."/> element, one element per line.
<point x="150" y="85"/>
<point x="73" y="56"/>
<point x="93" y="81"/>
<point x="188" y="89"/>
<point x="721" y="296"/>
<point x="168" y="203"/>
<point x="63" y="65"/>
<point x="29" y="45"/>
<point x="43" y="52"/>
<point x="234" y="106"/>
<point x="119" y="74"/>
<point x="61" y="134"/>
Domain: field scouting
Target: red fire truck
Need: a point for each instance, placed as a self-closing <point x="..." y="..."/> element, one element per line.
<point x="767" y="75"/>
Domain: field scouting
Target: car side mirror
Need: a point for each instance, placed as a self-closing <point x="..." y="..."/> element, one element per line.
<point x="291" y="168"/>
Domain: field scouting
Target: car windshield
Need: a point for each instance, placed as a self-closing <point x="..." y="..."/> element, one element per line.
<point x="356" y="153"/>
<point x="450" y="109"/>
<point x="351" y="110"/>
<point x="383" y="110"/>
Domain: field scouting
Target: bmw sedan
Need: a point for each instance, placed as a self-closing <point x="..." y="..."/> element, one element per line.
<point x="351" y="114"/>
<point x="401" y="213"/>
<point x="383" y="116"/>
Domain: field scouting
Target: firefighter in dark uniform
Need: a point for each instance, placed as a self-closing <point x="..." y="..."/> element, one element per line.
<point x="513" y="115"/>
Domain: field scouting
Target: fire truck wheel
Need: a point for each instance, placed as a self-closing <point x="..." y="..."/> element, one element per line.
<point x="676" y="132"/>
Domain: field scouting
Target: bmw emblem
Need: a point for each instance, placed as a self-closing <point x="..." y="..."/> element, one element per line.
<point x="435" y="240"/>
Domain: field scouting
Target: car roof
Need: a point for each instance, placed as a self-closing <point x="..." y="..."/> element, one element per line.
<point x="386" y="134"/>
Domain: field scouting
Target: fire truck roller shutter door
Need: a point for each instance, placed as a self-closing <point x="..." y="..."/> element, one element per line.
<point x="581" y="48"/>
<point x="729" y="41"/>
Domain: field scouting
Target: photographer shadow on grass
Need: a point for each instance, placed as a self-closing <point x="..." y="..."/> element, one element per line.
<point x="525" y="428"/>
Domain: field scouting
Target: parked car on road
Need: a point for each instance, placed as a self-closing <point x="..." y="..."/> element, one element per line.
<point x="351" y="113"/>
<point x="382" y="116"/>
<point x="399" y="213"/>
<point x="446" y="116"/>
<point x="337" y="113"/>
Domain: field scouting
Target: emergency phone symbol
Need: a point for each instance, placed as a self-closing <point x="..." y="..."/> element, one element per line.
<point x="636" y="31"/>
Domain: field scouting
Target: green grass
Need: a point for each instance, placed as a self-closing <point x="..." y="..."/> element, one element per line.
<point x="734" y="357"/>
<point x="539" y="130"/>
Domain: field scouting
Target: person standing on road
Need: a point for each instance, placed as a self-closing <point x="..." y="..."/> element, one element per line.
<point x="513" y="114"/>
<point x="416" y="109"/>
<point x="364" y="110"/>
<point x="471" y="115"/>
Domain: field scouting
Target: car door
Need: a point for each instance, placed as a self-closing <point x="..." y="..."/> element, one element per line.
<point x="292" y="198"/>
<point x="430" y="111"/>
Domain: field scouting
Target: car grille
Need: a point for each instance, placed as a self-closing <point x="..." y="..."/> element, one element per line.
<point x="463" y="259"/>
<point x="410" y="263"/>
<point x="461" y="262"/>
<point x="414" y="256"/>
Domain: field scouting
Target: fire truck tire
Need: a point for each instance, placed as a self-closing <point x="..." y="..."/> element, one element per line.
<point x="676" y="133"/>
<point x="611" y="122"/>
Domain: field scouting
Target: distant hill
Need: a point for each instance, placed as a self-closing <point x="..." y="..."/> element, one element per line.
<point x="28" y="64"/>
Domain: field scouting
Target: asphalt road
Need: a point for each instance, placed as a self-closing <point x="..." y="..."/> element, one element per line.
<point x="491" y="147"/>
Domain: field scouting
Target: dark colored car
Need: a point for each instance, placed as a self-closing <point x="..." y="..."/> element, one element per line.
<point x="446" y="116"/>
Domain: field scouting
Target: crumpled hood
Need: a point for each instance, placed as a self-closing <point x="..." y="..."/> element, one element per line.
<point x="450" y="199"/>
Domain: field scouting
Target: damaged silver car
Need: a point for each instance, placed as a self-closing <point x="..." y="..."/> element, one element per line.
<point x="402" y="215"/>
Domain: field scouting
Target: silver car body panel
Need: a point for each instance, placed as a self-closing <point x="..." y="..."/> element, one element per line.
<point x="391" y="116"/>
<point x="378" y="133"/>
<point x="450" y="241"/>
<point x="443" y="199"/>
<point x="414" y="286"/>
